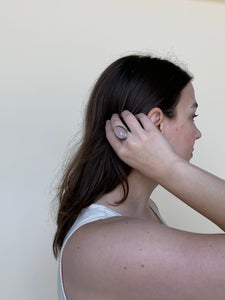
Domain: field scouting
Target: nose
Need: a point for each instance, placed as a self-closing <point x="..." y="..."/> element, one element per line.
<point x="198" y="134"/>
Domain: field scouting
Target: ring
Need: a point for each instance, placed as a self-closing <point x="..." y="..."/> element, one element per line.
<point x="121" y="133"/>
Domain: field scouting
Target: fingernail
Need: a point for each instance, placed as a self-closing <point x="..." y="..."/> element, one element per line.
<point x="125" y="112"/>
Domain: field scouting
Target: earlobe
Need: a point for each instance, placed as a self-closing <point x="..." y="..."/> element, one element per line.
<point x="156" y="116"/>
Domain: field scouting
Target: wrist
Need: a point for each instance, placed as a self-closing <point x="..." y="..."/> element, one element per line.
<point x="170" y="168"/>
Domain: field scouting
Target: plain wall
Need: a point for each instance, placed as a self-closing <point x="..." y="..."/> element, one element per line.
<point x="51" y="53"/>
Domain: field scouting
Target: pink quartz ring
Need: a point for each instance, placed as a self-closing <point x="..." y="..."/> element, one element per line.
<point x="121" y="132"/>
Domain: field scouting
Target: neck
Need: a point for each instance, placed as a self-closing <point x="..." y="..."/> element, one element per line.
<point x="136" y="204"/>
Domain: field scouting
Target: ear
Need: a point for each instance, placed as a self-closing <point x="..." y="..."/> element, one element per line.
<point x="156" y="115"/>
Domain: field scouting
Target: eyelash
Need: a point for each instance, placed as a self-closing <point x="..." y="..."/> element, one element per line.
<point x="194" y="117"/>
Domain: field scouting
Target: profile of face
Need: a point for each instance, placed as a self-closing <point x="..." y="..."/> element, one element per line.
<point x="181" y="132"/>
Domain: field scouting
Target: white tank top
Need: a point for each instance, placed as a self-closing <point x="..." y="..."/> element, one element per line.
<point x="89" y="214"/>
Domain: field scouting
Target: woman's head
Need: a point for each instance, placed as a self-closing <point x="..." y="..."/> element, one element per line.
<point x="138" y="84"/>
<point x="135" y="83"/>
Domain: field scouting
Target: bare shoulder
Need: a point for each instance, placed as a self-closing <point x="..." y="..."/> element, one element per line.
<point x="135" y="258"/>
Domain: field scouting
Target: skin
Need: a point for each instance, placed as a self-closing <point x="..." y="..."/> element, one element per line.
<point x="135" y="256"/>
<point x="181" y="132"/>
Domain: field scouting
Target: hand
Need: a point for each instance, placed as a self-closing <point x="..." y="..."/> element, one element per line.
<point x="145" y="149"/>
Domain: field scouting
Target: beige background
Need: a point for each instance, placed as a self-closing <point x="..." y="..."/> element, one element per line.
<point x="51" y="53"/>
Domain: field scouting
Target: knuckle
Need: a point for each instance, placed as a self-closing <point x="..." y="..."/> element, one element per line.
<point x="144" y="138"/>
<point x="133" y="146"/>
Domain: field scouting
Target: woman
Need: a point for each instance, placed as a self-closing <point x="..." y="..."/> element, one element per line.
<point x="113" y="243"/>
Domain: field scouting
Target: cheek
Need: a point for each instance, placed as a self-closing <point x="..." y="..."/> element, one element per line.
<point x="183" y="132"/>
<point x="179" y="136"/>
<point x="188" y="133"/>
<point x="172" y="134"/>
<point x="181" y="139"/>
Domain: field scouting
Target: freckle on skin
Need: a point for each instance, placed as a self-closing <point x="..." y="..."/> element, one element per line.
<point x="147" y="232"/>
<point x="142" y="266"/>
<point x="78" y="247"/>
<point x="125" y="268"/>
<point x="140" y="249"/>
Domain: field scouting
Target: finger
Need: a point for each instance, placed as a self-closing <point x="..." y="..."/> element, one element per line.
<point x="146" y="122"/>
<point x="112" y="139"/>
<point x="132" y="122"/>
<point x="116" y="121"/>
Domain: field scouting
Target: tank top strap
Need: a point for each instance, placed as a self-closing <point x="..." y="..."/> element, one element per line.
<point x="89" y="214"/>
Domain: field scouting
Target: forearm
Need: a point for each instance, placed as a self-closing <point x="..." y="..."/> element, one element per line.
<point x="199" y="189"/>
<point x="150" y="153"/>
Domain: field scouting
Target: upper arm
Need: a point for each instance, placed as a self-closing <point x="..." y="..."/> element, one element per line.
<point x="136" y="259"/>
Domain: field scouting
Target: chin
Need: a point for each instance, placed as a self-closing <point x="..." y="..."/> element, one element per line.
<point x="190" y="157"/>
<point x="187" y="157"/>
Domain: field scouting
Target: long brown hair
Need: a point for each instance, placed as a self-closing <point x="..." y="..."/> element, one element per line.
<point x="135" y="83"/>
